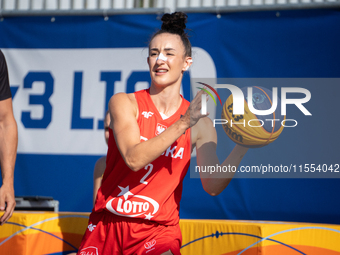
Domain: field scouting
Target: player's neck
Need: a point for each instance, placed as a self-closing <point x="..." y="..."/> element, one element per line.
<point x="167" y="100"/>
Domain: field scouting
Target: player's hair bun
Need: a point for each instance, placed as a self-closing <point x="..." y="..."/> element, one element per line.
<point x="174" y="22"/>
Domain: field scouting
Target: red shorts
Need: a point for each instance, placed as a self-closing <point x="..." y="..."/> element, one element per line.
<point x="108" y="234"/>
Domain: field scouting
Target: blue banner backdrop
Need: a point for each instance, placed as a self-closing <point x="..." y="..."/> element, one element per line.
<point x="63" y="72"/>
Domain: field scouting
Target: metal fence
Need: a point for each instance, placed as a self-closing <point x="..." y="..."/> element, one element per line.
<point x="81" y="7"/>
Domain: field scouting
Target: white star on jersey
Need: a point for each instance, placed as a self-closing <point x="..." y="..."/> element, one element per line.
<point x="125" y="192"/>
<point x="148" y="216"/>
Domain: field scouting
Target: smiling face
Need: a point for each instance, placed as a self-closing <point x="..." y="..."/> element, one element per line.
<point x="167" y="60"/>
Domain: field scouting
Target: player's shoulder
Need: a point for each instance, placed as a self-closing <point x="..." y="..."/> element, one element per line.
<point x="123" y="99"/>
<point x="99" y="167"/>
<point x="101" y="161"/>
<point x="122" y="104"/>
<point x="122" y="96"/>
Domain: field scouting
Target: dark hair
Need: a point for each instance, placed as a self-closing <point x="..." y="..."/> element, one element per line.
<point x="174" y="23"/>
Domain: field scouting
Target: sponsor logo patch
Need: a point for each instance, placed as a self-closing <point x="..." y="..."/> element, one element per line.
<point x="149" y="245"/>
<point x="130" y="205"/>
<point x="91" y="250"/>
<point x="147" y="114"/>
<point x="160" y="128"/>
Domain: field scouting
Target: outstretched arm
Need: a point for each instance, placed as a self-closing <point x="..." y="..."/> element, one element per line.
<point x="204" y="134"/>
<point x="8" y="151"/>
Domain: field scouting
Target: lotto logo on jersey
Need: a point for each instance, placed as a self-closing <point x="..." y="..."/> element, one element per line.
<point x="160" y="128"/>
<point x="91" y="250"/>
<point x="134" y="206"/>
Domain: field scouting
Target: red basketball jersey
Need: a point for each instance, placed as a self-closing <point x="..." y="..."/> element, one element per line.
<point x="154" y="192"/>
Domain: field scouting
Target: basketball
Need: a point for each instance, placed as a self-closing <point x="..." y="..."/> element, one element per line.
<point x="253" y="130"/>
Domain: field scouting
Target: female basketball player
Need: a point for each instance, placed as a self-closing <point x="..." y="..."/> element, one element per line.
<point x="137" y="206"/>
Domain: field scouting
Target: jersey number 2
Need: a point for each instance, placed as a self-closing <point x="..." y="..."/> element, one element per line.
<point x="150" y="167"/>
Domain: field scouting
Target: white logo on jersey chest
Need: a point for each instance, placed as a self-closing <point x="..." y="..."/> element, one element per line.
<point x="147" y="114"/>
<point x="160" y="129"/>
